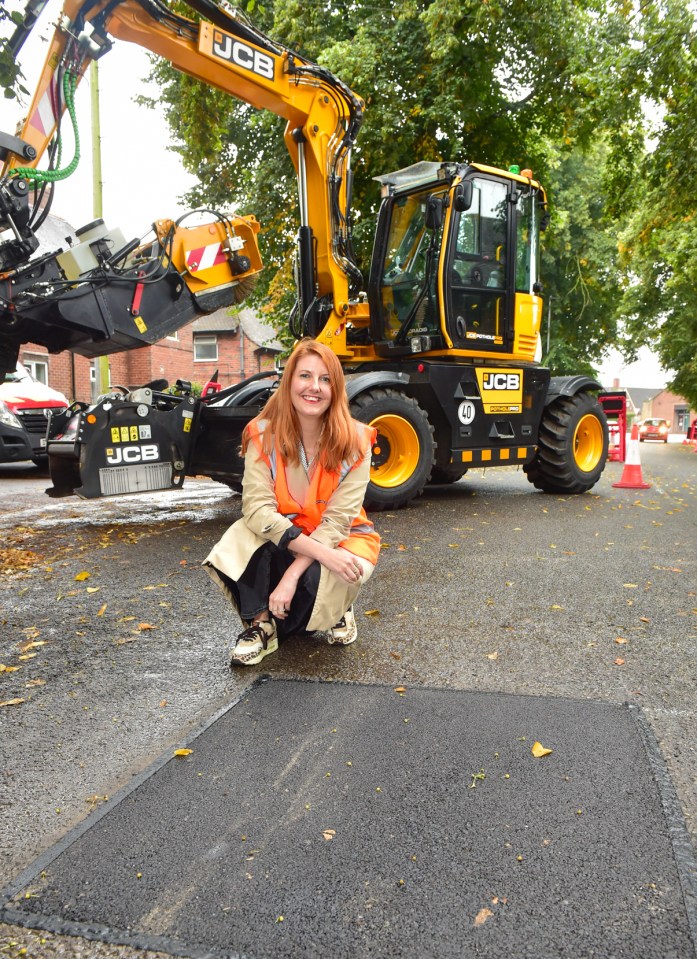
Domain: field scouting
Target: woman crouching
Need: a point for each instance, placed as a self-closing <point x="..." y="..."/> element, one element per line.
<point x="296" y="559"/>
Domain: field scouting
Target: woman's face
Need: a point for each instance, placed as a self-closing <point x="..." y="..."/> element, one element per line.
<point x="310" y="388"/>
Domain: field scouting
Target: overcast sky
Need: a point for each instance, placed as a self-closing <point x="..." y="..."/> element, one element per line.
<point x="142" y="178"/>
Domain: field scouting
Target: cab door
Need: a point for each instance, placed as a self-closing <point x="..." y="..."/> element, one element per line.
<point x="479" y="294"/>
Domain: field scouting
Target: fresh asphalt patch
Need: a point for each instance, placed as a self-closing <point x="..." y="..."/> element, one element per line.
<point x="317" y="819"/>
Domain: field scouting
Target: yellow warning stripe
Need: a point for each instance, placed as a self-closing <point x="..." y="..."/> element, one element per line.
<point x="510" y="454"/>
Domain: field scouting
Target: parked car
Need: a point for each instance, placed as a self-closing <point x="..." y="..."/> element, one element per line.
<point x="654" y="429"/>
<point x="25" y="406"/>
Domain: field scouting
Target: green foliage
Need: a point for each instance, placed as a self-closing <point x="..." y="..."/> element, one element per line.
<point x="580" y="266"/>
<point x="659" y="244"/>
<point x="10" y="74"/>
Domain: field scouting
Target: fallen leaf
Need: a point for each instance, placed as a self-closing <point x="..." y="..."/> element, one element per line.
<point x="631" y="585"/>
<point x="93" y="589"/>
<point x="183" y="752"/>
<point x="620" y="640"/>
<point x="493" y="655"/>
<point x="329" y="834"/>
<point x="619" y="661"/>
<point x="482" y="916"/>
<point x="35" y="682"/>
<point x="25" y="647"/>
<point x="538" y="750"/>
<point x="12" y="702"/>
<point x="371" y="612"/>
<point x="8" y="669"/>
<point x="81" y="577"/>
<point x="144" y="626"/>
<point x="102" y="610"/>
<point x="27" y="656"/>
<point x="400" y="689"/>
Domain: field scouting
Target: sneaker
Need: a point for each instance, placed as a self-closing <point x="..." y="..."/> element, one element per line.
<point x="345" y="631"/>
<point x="254" y="643"/>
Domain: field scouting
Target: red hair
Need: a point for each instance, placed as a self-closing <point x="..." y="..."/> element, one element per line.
<point x="340" y="437"/>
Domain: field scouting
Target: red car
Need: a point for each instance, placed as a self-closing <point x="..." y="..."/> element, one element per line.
<point x="654" y="429"/>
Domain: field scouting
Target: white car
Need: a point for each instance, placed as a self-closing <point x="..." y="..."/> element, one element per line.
<point x="25" y="406"/>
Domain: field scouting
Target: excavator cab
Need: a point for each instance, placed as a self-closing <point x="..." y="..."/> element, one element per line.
<point x="456" y="262"/>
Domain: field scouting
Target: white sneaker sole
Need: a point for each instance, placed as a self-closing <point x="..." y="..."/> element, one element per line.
<point x="251" y="659"/>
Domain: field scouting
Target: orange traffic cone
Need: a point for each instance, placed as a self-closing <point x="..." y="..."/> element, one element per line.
<point x="631" y="474"/>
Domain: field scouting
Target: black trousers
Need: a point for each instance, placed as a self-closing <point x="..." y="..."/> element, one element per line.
<point x="263" y="573"/>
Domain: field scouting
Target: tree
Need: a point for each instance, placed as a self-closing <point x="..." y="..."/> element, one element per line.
<point x="659" y="246"/>
<point x="10" y="73"/>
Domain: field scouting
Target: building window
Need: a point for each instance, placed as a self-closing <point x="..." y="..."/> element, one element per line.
<point x="206" y="348"/>
<point x="38" y="367"/>
<point x="173" y="336"/>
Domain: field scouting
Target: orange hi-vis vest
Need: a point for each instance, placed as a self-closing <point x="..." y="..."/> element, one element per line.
<point x="362" y="540"/>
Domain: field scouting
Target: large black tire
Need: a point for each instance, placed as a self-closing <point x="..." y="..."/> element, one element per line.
<point x="404" y="452"/>
<point x="572" y="446"/>
<point x="446" y="475"/>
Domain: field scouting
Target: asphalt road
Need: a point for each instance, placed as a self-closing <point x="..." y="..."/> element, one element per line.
<point x="121" y="639"/>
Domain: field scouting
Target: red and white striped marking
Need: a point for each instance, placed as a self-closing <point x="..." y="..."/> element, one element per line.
<point x="205" y="257"/>
<point x="43" y="118"/>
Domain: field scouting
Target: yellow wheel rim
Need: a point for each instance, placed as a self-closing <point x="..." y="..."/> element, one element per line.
<point x="396" y="451"/>
<point x="588" y="443"/>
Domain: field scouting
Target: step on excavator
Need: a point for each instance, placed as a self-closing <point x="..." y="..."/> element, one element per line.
<point x="440" y="348"/>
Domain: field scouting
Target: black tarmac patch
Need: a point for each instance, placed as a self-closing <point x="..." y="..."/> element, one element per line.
<point x="324" y="820"/>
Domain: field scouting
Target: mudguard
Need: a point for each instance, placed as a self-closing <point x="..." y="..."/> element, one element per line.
<point x="569" y="386"/>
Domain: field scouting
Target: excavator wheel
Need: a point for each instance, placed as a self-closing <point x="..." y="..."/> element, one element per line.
<point x="572" y="446"/>
<point x="446" y="475"/>
<point x="404" y="451"/>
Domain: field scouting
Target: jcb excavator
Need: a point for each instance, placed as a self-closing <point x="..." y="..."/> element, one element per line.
<point x="440" y="353"/>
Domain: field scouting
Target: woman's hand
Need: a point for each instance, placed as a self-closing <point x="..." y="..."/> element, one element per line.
<point x="282" y="596"/>
<point x="344" y="564"/>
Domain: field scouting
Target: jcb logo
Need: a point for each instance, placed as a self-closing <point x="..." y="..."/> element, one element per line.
<point x="501" y="390"/>
<point x="132" y="454"/>
<point x="242" y="55"/>
<point x="501" y="381"/>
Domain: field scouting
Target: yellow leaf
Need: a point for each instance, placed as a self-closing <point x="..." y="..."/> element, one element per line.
<point x="371" y="612"/>
<point x="102" y="610"/>
<point x="619" y="661"/>
<point x="329" y="834"/>
<point x="8" y="669"/>
<point x="400" y="689"/>
<point x="143" y="626"/>
<point x="81" y="577"/>
<point x="183" y="752"/>
<point x="482" y="916"/>
<point x="28" y="656"/>
<point x="24" y="647"/>
<point x="93" y="589"/>
<point x="12" y="702"/>
<point x="35" y="682"/>
<point x="538" y="750"/>
<point x="620" y="640"/>
<point x="494" y="655"/>
<point x="631" y="585"/>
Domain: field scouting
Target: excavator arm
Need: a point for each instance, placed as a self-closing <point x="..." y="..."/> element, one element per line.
<point x="53" y="301"/>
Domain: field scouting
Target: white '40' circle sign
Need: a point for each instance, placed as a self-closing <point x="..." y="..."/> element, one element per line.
<point x="465" y="412"/>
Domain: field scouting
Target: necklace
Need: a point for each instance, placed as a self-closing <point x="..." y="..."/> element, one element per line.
<point x="306" y="465"/>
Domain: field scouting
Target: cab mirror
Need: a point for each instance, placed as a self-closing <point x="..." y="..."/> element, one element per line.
<point x="434" y="212"/>
<point x="462" y="199"/>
